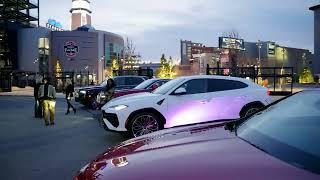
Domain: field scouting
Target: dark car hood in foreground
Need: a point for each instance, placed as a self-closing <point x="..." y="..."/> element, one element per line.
<point x="194" y="152"/>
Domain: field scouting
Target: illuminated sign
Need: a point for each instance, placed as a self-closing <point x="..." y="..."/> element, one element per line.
<point x="271" y="49"/>
<point x="54" y="25"/>
<point x="71" y="49"/>
<point x="231" y="43"/>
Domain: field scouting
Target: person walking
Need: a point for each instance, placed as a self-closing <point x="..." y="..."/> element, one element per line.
<point x="37" y="105"/>
<point x="110" y="89"/>
<point x="47" y="94"/>
<point x="69" y="95"/>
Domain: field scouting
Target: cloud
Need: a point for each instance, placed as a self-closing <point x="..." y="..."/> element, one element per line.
<point x="157" y="26"/>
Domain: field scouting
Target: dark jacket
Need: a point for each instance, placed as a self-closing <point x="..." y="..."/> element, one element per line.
<point x="109" y="94"/>
<point x="36" y="90"/>
<point x="69" y="91"/>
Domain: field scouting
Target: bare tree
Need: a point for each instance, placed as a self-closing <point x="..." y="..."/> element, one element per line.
<point x="129" y="47"/>
<point x="233" y="52"/>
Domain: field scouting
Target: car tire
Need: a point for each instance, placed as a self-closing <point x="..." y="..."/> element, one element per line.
<point x="93" y="103"/>
<point x="144" y="123"/>
<point x="248" y="111"/>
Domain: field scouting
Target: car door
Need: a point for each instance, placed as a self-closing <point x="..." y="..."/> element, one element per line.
<point x="225" y="98"/>
<point x="187" y="108"/>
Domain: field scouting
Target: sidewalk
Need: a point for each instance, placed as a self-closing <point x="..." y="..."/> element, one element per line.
<point x="27" y="91"/>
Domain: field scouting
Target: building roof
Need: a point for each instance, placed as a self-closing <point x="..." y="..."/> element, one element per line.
<point x="313" y="8"/>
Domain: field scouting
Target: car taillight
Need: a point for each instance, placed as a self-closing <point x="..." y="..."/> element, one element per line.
<point x="268" y="93"/>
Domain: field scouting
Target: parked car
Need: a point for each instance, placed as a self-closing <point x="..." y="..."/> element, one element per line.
<point x="146" y="86"/>
<point x="184" y="100"/>
<point x="87" y="95"/>
<point x="279" y="142"/>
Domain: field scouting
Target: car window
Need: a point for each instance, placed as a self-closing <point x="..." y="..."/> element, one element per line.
<point x="224" y="85"/>
<point x="157" y="83"/>
<point x="288" y="130"/>
<point x="161" y="82"/>
<point x="134" y="80"/>
<point x="195" y="86"/>
<point x="119" y="81"/>
<point x="168" y="86"/>
<point x="145" y="84"/>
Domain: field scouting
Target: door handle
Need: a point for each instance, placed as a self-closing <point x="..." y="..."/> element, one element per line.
<point x="205" y="101"/>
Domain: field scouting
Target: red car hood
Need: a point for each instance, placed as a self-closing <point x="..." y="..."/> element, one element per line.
<point x="196" y="152"/>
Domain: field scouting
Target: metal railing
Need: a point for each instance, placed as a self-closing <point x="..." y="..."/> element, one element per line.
<point x="279" y="80"/>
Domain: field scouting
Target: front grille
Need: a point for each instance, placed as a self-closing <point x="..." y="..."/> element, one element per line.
<point x="112" y="118"/>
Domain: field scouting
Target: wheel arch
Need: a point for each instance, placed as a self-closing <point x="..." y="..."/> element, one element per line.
<point x="251" y="104"/>
<point x="150" y="110"/>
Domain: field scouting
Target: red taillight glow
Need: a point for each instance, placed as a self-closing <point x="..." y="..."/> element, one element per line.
<point x="268" y="93"/>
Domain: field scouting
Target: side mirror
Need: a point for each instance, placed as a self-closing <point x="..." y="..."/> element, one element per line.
<point x="180" y="91"/>
<point x="154" y="86"/>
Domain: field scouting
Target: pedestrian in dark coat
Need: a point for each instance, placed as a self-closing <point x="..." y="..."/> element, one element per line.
<point x="37" y="105"/>
<point x="69" y="95"/>
<point x="110" y="89"/>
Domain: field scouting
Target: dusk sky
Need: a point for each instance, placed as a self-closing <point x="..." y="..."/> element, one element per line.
<point x="156" y="27"/>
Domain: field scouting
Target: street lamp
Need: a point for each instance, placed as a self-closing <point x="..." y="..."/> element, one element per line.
<point x="102" y="67"/>
<point x="283" y="50"/>
<point x="35" y="62"/>
<point x="200" y="58"/>
<point x="283" y="54"/>
<point x="259" y="45"/>
<point x="27" y="80"/>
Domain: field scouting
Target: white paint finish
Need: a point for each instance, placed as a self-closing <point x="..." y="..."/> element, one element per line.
<point x="187" y="109"/>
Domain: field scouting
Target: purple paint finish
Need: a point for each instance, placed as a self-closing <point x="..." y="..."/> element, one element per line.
<point x="208" y="110"/>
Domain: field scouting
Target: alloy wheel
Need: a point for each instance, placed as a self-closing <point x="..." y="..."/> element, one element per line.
<point x="144" y="124"/>
<point x="251" y="111"/>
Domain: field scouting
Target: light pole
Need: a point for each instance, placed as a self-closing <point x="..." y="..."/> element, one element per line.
<point x="35" y="62"/>
<point x="101" y="61"/>
<point x="282" y="69"/>
<point x="258" y="70"/>
<point x="200" y="58"/>
<point x="283" y="54"/>
<point x="259" y="45"/>
<point x="27" y="80"/>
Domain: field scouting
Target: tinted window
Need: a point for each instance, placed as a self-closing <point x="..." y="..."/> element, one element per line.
<point x="120" y="81"/>
<point x="145" y="84"/>
<point x="168" y="86"/>
<point x="288" y="130"/>
<point x="224" y="85"/>
<point x="133" y="80"/>
<point x="195" y="86"/>
<point x="158" y="83"/>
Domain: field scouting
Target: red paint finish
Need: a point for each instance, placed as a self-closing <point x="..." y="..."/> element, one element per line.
<point x="203" y="152"/>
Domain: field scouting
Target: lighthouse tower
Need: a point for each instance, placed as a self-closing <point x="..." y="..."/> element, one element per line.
<point x="80" y="13"/>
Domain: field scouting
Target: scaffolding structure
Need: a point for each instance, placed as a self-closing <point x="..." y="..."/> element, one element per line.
<point x="14" y="15"/>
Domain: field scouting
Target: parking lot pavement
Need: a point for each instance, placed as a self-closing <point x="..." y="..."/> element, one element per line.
<point x="29" y="150"/>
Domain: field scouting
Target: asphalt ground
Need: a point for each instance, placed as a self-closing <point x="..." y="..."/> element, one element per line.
<point x="30" y="150"/>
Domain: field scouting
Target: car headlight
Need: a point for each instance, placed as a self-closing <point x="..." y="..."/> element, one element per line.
<point x="118" y="107"/>
<point x="83" y="92"/>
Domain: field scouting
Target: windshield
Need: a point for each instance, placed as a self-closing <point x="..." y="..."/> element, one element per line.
<point x="168" y="86"/>
<point x="104" y="83"/>
<point x="145" y="84"/>
<point x="119" y="81"/>
<point x="288" y="130"/>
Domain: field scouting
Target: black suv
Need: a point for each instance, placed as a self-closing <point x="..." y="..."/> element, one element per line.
<point x="87" y="95"/>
